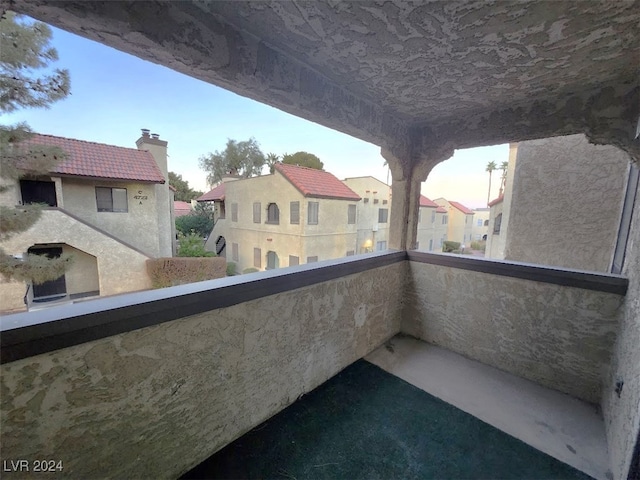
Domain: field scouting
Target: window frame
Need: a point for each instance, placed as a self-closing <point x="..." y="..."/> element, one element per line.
<point x="294" y="213"/>
<point x="313" y="213"/>
<point x="257" y="257"/>
<point x="273" y="214"/>
<point x="383" y="215"/>
<point x="112" y="209"/>
<point x="257" y="212"/>
<point x="351" y="214"/>
<point x="234" y="212"/>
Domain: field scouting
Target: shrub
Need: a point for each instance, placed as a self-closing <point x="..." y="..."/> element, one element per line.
<point x="450" y="247"/>
<point x="192" y="245"/>
<point x="168" y="272"/>
<point x="479" y="245"/>
<point x="199" y="224"/>
<point x="250" y="270"/>
<point x="231" y="269"/>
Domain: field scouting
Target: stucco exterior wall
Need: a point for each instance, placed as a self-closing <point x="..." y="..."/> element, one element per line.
<point x="120" y="268"/>
<point x="568" y="196"/>
<point x="138" y="227"/>
<point x="82" y="276"/>
<point x="496" y="241"/>
<point x="622" y="410"/>
<point x="559" y="337"/>
<point x="459" y="224"/>
<point x="374" y="194"/>
<point x="478" y="231"/>
<point x="179" y="391"/>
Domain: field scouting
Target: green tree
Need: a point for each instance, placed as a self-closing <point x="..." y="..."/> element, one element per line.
<point x="504" y="166"/>
<point x="198" y="224"/>
<point x="192" y="245"/>
<point x="238" y="158"/>
<point x="24" y="52"/>
<point x="184" y="192"/>
<point x="271" y="160"/>
<point x="303" y="159"/>
<point x="491" y="166"/>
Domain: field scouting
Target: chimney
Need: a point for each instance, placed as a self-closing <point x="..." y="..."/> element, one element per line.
<point x="145" y="132"/>
<point x="157" y="148"/>
<point x="155" y="136"/>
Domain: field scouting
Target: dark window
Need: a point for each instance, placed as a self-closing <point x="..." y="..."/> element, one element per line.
<point x="431" y="245"/>
<point x="383" y="215"/>
<point x="384" y="202"/>
<point x="294" y="213"/>
<point x="433" y="216"/>
<point x="486" y="223"/>
<point x="351" y="214"/>
<point x="272" y="260"/>
<point x="38" y="192"/>
<point x="234" y="212"/>
<point x="111" y="199"/>
<point x="445" y="219"/>
<point x="366" y="200"/>
<point x="256" y="212"/>
<point x="53" y="289"/>
<point x="312" y="218"/>
<point x="312" y="259"/>
<point x="375" y="200"/>
<point x="234" y="252"/>
<point x="293" y="260"/>
<point x="257" y="258"/>
<point x="497" y="223"/>
<point x="273" y="214"/>
<point x="351" y="253"/>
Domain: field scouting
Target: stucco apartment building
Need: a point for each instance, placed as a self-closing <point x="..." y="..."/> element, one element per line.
<point x="480" y="225"/>
<point x="295" y="215"/>
<point x="459" y="221"/>
<point x="432" y="226"/>
<point x="557" y="185"/>
<point x="109" y="207"/>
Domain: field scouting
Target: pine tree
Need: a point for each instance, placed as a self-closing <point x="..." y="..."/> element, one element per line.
<point x="24" y="54"/>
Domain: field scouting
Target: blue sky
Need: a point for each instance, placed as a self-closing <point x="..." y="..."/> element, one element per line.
<point x="114" y="95"/>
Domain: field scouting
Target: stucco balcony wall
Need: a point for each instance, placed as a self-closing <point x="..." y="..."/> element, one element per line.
<point x="154" y="402"/>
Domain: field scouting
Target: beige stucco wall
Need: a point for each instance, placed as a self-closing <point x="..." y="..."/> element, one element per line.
<point x="568" y="196"/>
<point x="622" y="413"/>
<point x="478" y="231"/>
<point x="430" y="230"/>
<point x="370" y="232"/>
<point x="120" y="268"/>
<point x="496" y="241"/>
<point x="153" y="403"/>
<point x="82" y="276"/>
<point x="559" y="337"/>
<point x="459" y="225"/>
<point x="138" y="226"/>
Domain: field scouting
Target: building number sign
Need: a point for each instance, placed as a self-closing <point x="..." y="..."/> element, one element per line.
<point x="140" y="197"/>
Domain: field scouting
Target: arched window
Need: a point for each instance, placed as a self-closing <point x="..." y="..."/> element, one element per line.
<point x="273" y="213"/>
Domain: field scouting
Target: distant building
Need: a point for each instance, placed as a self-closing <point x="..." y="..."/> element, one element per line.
<point x="295" y="215"/>
<point x="180" y="209"/>
<point x="459" y="221"/>
<point x="109" y="207"/>
<point x="480" y="226"/>
<point x="432" y="226"/>
<point x="557" y="184"/>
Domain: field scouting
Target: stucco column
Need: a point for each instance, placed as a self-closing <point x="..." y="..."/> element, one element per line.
<point x="407" y="177"/>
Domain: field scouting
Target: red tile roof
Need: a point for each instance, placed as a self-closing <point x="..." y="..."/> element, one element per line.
<point x="462" y="208"/>
<point x="496" y="201"/>
<point x="90" y="159"/>
<point x="425" y="202"/>
<point x="212" y="195"/>
<point x="316" y="183"/>
<point x="441" y="210"/>
<point x="180" y="209"/>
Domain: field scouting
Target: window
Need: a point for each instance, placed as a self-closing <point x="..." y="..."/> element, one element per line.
<point x="312" y="218"/>
<point x="445" y="219"/>
<point x="351" y="253"/>
<point x="293" y="260"/>
<point x="52" y="289"/>
<point x="478" y="236"/>
<point x="381" y="245"/>
<point x="384" y="202"/>
<point x="234" y="252"/>
<point x="294" y="213"/>
<point x="486" y="223"/>
<point x="433" y="217"/>
<point x="383" y="215"/>
<point x="312" y="259"/>
<point x="256" y="212"/>
<point x="272" y="260"/>
<point x="34" y="191"/>
<point x="497" y="223"/>
<point x="375" y="200"/>
<point x="366" y="200"/>
<point x="351" y="214"/>
<point x="273" y="214"/>
<point x="234" y="212"/>
<point x="479" y="222"/>
<point x="111" y="199"/>
<point x="466" y="220"/>
<point x="431" y="245"/>
<point x="257" y="258"/>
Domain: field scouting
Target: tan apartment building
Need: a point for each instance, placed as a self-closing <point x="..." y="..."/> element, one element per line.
<point x="432" y="226"/>
<point x="459" y="221"/>
<point x="295" y="215"/>
<point x="109" y="207"/>
<point x="568" y="222"/>
<point x="372" y="213"/>
<point x="480" y="225"/>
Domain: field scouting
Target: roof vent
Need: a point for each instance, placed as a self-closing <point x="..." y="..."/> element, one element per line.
<point x="155" y="136"/>
<point x="145" y="132"/>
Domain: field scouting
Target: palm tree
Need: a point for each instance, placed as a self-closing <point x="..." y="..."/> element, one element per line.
<point x="503" y="183"/>
<point x="271" y="160"/>
<point x="491" y="166"/>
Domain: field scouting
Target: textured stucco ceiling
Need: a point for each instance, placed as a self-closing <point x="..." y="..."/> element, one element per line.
<point x="414" y="77"/>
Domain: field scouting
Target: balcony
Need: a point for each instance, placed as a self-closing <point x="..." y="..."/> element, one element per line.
<point x="150" y="384"/>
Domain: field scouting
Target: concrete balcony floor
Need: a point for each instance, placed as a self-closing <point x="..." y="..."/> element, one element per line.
<point x="425" y="413"/>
